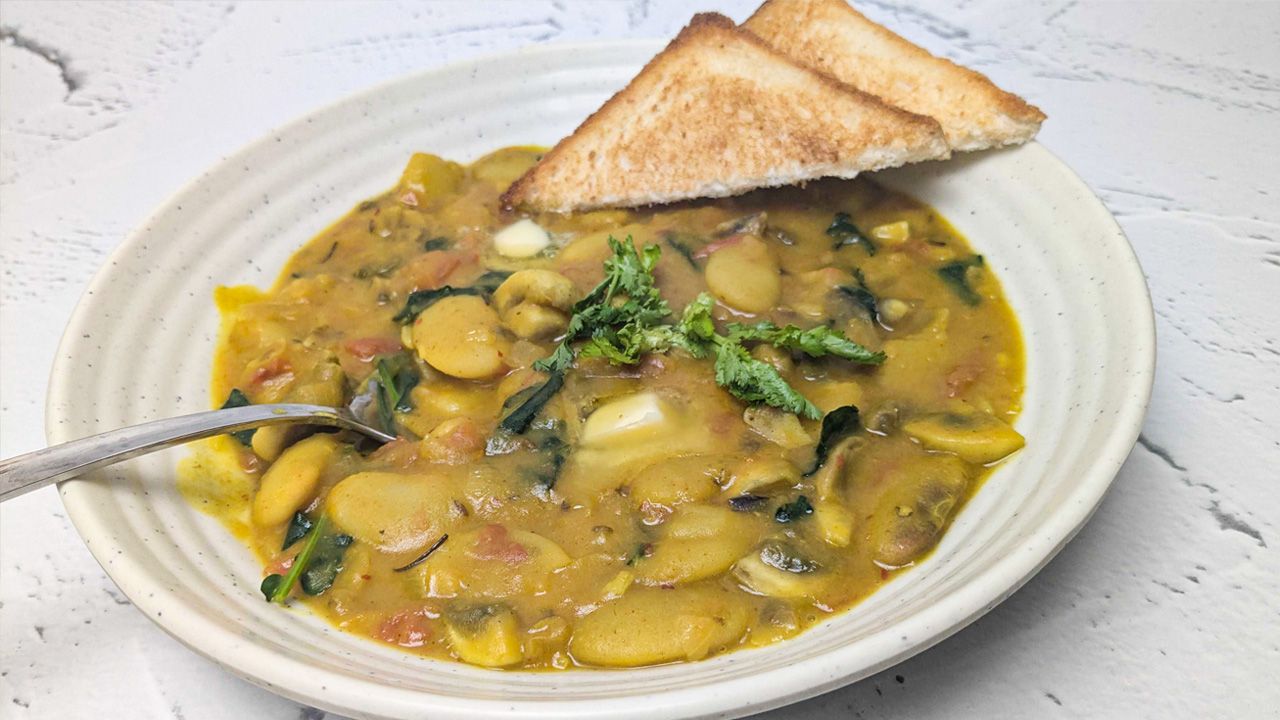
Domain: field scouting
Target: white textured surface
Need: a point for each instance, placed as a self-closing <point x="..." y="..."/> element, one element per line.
<point x="1165" y="605"/>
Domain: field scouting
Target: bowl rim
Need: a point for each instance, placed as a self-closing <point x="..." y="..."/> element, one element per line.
<point x="331" y="690"/>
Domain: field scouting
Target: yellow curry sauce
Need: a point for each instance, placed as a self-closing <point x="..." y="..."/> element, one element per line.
<point x="633" y="511"/>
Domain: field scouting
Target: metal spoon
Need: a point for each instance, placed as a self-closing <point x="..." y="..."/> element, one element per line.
<point x="32" y="471"/>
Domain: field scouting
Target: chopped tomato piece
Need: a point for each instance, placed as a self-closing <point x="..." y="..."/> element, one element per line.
<point x="398" y="452"/>
<point x="495" y="543"/>
<point x="714" y="245"/>
<point x="366" y="349"/>
<point x="411" y="629"/>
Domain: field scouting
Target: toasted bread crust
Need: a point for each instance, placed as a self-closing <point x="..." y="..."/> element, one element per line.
<point x="717" y="113"/>
<point x="831" y="36"/>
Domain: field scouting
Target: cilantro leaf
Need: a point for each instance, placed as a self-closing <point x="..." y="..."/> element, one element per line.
<point x="754" y="381"/>
<point x="616" y="313"/>
<point x="818" y="341"/>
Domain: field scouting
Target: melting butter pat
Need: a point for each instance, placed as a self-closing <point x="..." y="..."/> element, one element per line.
<point x="522" y="239"/>
<point x="635" y="417"/>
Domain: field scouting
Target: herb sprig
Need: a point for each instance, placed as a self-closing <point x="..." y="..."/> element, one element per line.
<point x="623" y="319"/>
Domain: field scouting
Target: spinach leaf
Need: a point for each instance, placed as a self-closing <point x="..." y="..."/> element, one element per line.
<point x="299" y="526"/>
<point x="393" y="378"/>
<point x="792" y="511"/>
<point x="844" y="232"/>
<point x="836" y="426"/>
<point x="861" y="295"/>
<point x="488" y="283"/>
<point x="420" y="300"/>
<point x="678" y="243"/>
<point x="325" y="563"/>
<point x="276" y="587"/>
<point x="236" y="399"/>
<point x="517" y="421"/>
<point x="956" y="274"/>
<point x="436" y="244"/>
<point x="551" y="454"/>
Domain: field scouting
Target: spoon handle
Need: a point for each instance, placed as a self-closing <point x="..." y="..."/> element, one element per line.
<point x="24" y="473"/>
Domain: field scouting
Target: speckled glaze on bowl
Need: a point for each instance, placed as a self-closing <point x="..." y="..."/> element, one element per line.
<point x="140" y="343"/>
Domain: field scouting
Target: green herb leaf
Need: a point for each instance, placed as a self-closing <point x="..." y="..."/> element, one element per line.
<point x="956" y="274"/>
<point x="836" y="426"/>
<point x="754" y="381"/>
<point x="793" y="511"/>
<point x="697" y="325"/>
<point x="861" y="295"/>
<point x="436" y="244"/>
<point x="325" y="563"/>
<point x="681" y="245"/>
<point x="626" y="302"/>
<point x="552" y="451"/>
<point x="236" y="399"/>
<point x="299" y="526"/>
<point x="394" y="377"/>
<point x="518" y="420"/>
<point x="815" y="342"/>
<point x="844" y="232"/>
<point x="270" y="586"/>
<point x="625" y="346"/>
<point x="275" y="587"/>
<point x="420" y="300"/>
<point x="489" y="282"/>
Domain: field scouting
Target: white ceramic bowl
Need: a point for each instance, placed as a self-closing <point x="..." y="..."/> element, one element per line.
<point x="139" y="346"/>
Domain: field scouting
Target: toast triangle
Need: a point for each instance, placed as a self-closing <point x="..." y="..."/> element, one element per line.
<point x="718" y="113"/>
<point x="832" y="37"/>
